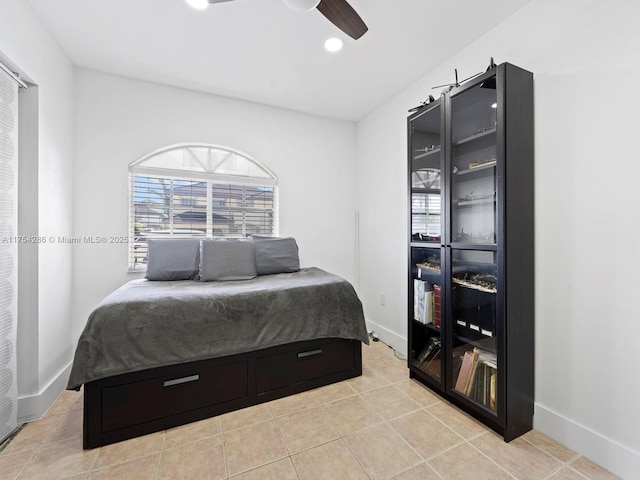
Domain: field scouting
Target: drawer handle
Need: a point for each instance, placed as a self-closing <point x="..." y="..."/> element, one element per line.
<point x="310" y="353"/>
<point x="178" y="381"/>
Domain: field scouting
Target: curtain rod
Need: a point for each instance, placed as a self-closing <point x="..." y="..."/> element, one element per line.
<point x="13" y="75"/>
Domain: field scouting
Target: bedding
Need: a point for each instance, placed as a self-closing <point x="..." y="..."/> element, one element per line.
<point x="146" y="324"/>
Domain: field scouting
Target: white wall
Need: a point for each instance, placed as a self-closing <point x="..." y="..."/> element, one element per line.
<point x="119" y="120"/>
<point x="585" y="62"/>
<point x="46" y="120"/>
<point x="583" y="54"/>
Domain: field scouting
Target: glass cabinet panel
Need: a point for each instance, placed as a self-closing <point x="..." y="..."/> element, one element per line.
<point x="426" y="348"/>
<point x="473" y="165"/>
<point x="474" y="359"/>
<point x="426" y="197"/>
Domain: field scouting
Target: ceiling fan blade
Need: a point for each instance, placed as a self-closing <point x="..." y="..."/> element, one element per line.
<point x="219" y="1"/>
<point x="343" y="16"/>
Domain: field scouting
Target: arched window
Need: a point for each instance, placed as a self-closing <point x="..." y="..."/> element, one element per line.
<point x="198" y="190"/>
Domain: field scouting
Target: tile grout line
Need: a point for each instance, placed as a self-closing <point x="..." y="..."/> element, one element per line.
<point x="366" y="472"/>
<point x="492" y="460"/>
<point x="33" y="454"/>
<point x="224" y="450"/>
<point x="574" y="458"/>
<point x="160" y="457"/>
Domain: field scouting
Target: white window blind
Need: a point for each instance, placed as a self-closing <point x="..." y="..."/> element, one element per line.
<point x="425" y="216"/>
<point x="198" y="190"/>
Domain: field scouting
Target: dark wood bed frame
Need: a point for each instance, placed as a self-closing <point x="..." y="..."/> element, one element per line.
<point x="134" y="404"/>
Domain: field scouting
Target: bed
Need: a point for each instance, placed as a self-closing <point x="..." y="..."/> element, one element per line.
<point x="159" y="354"/>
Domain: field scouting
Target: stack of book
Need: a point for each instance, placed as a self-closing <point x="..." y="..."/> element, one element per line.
<point x="477" y="377"/>
<point x="429" y="357"/>
<point x="426" y="303"/>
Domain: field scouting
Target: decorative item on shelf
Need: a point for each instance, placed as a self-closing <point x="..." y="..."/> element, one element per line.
<point x="491" y="161"/>
<point x="476" y="238"/>
<point x="485" y="282"/>
<point x="432" y="262"/>
<point x="490" y="82"/>
<point x="451" y="86"/>
<point x="461" y="236"/>
<point x="428" y="148"/>
<point x="425" y="237"/>
<point x="479" y="131"/>
<point x="470" y="197"/>
<point x="423" y="104"/>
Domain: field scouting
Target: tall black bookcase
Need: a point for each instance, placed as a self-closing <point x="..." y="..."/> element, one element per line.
<point x="471" y="248"/>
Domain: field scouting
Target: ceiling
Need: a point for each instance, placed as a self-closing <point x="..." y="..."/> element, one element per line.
<point x="261" y="51"/>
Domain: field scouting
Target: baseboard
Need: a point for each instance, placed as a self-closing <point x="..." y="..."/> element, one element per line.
<point x="33" y="407"/>
<point x="395" y="341"/>
<point x="615" y="457"/>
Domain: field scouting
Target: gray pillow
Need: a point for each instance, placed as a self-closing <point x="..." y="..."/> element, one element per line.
<point x="226" y="260"/>
<point x="276" y="255"/>
<point x="173" y="258"/>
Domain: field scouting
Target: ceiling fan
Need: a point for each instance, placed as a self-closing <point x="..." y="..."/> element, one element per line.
<point x="338" y="12"/>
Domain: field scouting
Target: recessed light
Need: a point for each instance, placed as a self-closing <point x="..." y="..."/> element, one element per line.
<point x="333" y="44"/>
<point x="495" y="105"/>
<point x="198" y="4"/>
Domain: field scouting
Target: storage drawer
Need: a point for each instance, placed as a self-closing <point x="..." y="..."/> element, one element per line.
<point x="295" y="366"/>
<point x="134" y="403"/>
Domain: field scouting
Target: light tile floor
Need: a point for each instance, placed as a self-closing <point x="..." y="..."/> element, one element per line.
<point x="378" y="426"/>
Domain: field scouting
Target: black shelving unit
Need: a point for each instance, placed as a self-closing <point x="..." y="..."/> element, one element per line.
<point x="471" y="248"/>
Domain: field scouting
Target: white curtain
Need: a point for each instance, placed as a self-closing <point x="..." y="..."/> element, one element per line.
<point x="8" y="252"/>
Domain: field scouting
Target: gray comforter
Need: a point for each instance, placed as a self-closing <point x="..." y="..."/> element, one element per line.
<point x="146" y="324"/>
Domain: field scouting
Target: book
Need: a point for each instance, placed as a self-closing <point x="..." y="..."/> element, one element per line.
<point x="436" y="306"/>
<point x="422" y="301"/>
<point x="470" y="382"/>
<point x="418" y="292"/>
<point x="433" y="367"/>
<point x="433" y="346"/>
<point x="428" y="307"/>
<point x="480" y="383"/>
<point x="463" y="374"/>
<point x="492" y="391"/>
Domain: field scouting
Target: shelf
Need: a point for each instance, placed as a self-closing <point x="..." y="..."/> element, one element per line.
<point x="479" y="201"/>
<point x="481" y="344"/>
<point x="475" y="137"/>
<point x="429" y="269"/>
<point x="435" y="374"/>
<point x="479" y="168"/>
<point x="473" y="286"/>
<point x="427" y="243"/>
<point x="426" y="154"/>
<point x="428" y="326"/>
<point x="433" y="191"/>
<point x="490" y="247"/>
